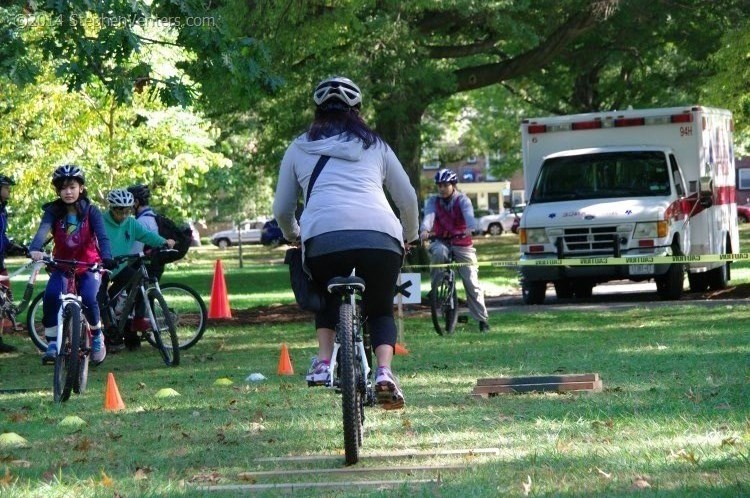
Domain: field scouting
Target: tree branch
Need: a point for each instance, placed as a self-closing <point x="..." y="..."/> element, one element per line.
<point x="471" y="78"/>
<point x="455" y="51"/>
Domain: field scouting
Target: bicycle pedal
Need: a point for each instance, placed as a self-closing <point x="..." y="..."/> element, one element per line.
<point x="463" y="319"/>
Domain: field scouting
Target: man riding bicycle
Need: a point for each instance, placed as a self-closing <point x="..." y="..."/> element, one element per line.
<point x="449" y="216"/>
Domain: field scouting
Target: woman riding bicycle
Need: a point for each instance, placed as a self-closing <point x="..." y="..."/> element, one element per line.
<point x="347" y="222"/>
<point x="449" y="217"/>
<point x="78" y="233"/>
<point x="124" y="231"/>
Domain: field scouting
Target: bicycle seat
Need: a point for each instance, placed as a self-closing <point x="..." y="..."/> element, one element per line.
<point x="342" y="282"/>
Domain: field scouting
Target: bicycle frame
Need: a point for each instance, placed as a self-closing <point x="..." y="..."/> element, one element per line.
<point x="141" y="281"/>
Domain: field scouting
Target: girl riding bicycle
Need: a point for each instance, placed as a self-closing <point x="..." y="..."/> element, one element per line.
<point x="347" y="222"/>
<point x="124" y="231"/>
<point x="78" y="233"/>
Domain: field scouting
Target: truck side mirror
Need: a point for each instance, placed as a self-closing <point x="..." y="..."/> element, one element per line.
<point x="706" y="194"/>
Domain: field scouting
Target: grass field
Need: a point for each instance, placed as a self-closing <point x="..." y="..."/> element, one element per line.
<point x="673" y="418"/>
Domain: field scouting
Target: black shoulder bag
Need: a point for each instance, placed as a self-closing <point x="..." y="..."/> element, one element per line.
<point x="307" y="293"/>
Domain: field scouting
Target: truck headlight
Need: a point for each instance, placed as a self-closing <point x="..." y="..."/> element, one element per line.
<point x="651" y="230"/>
<point x="532" y="236"/>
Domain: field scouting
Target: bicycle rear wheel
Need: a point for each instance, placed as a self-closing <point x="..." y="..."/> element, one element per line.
<point x="188" y="311"/>
<point x="351" y="401"/>
<point x="444" y="306"/>
<point x="163" y="329"/>
<point x="67" y="361"/>
<point x="34" y="323"/>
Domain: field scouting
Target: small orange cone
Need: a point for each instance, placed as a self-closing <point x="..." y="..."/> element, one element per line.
<point x="400" y="350"/>
<point x="219" y="305"/>
<point x="285" y="364"/>
<point x="112" y="400"/>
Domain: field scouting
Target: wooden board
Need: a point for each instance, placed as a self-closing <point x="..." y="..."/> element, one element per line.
<point x="538" y="379"/>
<point x="488" y="390"/>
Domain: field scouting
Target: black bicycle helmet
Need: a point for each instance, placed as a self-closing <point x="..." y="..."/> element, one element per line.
<point x="140" y="192"/>
<point x="6" y="180"/>
<point x="446" y="176"/>
<point x="337" y="88"/>
<point x="66" y="172"/>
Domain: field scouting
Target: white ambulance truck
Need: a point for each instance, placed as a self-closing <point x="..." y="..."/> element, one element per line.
<point x="635" y="183"/>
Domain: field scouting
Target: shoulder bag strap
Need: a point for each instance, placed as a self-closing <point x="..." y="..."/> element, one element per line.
<point x="316" y="172"/>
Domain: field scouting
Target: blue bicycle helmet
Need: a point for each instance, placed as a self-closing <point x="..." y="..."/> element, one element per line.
<point x="65" y="172"/>
<point x="446" y="176"/>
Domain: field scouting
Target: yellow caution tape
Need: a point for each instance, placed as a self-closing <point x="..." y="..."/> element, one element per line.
<point x="596" y="261"/>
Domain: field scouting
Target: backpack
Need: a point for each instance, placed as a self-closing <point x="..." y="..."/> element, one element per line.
<point x="181" y="234"/>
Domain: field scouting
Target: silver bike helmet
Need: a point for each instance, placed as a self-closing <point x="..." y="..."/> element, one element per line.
<point x="120" y="198"/>
<point x="338" y="88"/>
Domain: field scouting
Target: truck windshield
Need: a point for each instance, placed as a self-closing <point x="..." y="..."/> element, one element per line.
<point x="602" y="176"/>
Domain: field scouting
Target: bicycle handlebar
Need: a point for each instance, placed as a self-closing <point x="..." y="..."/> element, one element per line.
<point x="141" y="255"/>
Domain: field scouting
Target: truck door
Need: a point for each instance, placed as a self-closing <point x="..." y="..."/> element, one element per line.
<point x="681" y="192"/>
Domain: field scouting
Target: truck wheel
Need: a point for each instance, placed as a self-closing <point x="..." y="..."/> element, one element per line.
<point x="563" y="289"/>
<point x="495" y="229"/>
<point x="698" y="282"/>
<point x="669" y="285"/>
<point x="533" y="292"/>
<point x="718" y="278"/>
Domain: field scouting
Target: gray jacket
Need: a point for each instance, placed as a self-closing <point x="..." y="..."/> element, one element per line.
<point x="348" y="194"/>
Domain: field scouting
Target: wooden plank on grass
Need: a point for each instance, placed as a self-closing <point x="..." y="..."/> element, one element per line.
<point x="525" y="388"/>
<point x="292" y="486"/>
<point x="350" y="470"/>
<point x="538" y="379"/>
<point x="390" y="454"/>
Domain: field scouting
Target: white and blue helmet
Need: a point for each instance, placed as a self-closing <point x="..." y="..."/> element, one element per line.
<point x="338" y="88"/>
<point x="446" y="176"/>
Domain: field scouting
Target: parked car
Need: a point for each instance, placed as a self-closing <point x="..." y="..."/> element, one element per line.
<point x="495" y="224"/>
<point x="251" y="231"/>
<point x="271" y="234"/>
<point x="743" y="213"/>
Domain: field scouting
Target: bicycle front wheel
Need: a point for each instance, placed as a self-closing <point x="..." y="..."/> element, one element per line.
<point x="444" y="306"/>
<point x="34" y="323"/>
<point x="188" y="311"/>
<point x="163" y="329"/>
<point x="350" y="393"/>
<point x="67" y="361"/>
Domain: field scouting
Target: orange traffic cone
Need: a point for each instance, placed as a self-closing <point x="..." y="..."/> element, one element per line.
<point x="400" y="350"/>
<point x="285" y="364"/>
<point x="219" y="305"/>
<point x="112" y="400"/>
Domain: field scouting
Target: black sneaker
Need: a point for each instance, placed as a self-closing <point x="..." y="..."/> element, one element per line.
<point x="6" y="348"/>
<point x="484" y="327"/>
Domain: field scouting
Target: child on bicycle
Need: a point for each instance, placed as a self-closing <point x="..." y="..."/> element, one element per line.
<point x="78" y="233"/>
<point x="146" y="217"/>
<point x="5" y="244"/>
<point x="124" y="233"/>
<point x="348" y="223"/>
<point x="449" y="216"/>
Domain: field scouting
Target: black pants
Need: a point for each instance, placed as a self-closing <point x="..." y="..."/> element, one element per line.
<point x="379" y="269"/>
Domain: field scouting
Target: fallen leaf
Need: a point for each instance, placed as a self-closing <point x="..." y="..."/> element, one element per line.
<point x="106" y="480"/>
<point x="141" y="473"/>
<point x="604" y="474"/>
<point x="730" y="441"/>
<point x="212" y="477"/>
<point x="526" y="486"/>
<point x="641" y="483"/>
<point x="7" y="478"/>
<point x="18" y="417"/>
<point x="246" y="476"/>
<point x="21" y="463"/>
<point x="83" y="445"/>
